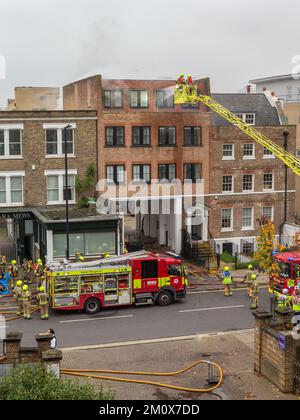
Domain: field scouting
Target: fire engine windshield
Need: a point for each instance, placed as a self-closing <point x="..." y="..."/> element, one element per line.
<point x="175" y="270"/>
<point x="297" y="270"/>
<point x="285" y="270"/>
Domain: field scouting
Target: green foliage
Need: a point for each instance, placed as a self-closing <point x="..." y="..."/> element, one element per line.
<point x="242" y="266"/>
<point x="265" y="245"/>
<point x="83" y="203"/>
<point x="31" y="383"/>
<point x="227" y="258"/>
<point x="78" y="184"/>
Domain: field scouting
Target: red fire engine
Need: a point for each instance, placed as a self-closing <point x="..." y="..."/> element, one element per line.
<point x="137" y="279"/>
<point x="289" y="274"/>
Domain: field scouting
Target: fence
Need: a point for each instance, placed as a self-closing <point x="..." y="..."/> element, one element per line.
<point x="9" y="249"/>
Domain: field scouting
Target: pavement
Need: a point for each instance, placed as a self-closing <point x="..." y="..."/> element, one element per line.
<point x="233" y="351"/>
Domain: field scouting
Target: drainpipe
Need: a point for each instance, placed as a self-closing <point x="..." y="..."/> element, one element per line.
<point x="285" y="134"/>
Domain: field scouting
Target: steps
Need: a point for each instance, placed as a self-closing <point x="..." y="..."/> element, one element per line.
<point x="203" y="252"/>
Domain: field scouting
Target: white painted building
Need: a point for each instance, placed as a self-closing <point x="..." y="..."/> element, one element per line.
<point x="285" y="87"/>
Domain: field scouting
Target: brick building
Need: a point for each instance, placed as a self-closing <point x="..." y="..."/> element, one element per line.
<point x="247" y="181"/>
<point x="32" y="183"/>
<point x="143" y="134"/>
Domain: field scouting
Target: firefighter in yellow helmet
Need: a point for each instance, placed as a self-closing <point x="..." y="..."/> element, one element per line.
<point x="227" y="282"/>
<point x="42" y="300"/>
<point x="254" y="291"/>
<point x="19" y="297"/>
<point x="13" y="272"/>
<point x="248" y="278"/>
<point x="26" y="295"/>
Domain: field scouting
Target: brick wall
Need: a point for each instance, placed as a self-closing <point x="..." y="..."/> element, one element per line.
<point x="239" y="167"/>
<point x="34" y="149"/>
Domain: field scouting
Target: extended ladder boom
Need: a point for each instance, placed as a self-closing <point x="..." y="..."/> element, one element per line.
<point x="188" y="94"/>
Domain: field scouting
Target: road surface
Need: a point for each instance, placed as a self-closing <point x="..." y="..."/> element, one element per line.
<point x="199" y="313"/>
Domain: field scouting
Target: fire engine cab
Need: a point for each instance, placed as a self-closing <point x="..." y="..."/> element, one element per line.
<point x="138" y="280"/>
<point x="289" y="274"/>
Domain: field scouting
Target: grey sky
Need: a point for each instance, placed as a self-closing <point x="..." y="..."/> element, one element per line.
<point x="54" y="42"/>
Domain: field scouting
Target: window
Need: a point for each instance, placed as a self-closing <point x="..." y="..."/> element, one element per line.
<point x="93" y="243"/>
<point x="114" y="136"/>
<point x="10" y="143"/>
<point x="149" y="269"/>
<point x="268" y="182"/>
<point x="167" y="136"/>
<point x="248" y="152"/>
<point x="139" y="98"/>
<point x="165" y="98"/>
<point x="167" y="172"/>
<point x="226" y="219"/>
<point x="228" y="152"/>
<point x="141" y="136"/>
<point x="192" y="136"/>
<point x="248" y="218"/>
<point x="248" y="248"/>
<point x="267" y="213"/>
<point x="141" y="172"/>
<point x="268" y="153"/>
<point x="55" y="142"/>
<point x="248" y="183"/>
<point x="11" y="189"/>
<point x="56" y="188"/>
<point x="247" y="118"/>
<point x="113" y="99"/>
<point x="192" y="171"/>
<point x="115" y="173"/>
<point x="227" y="184"/>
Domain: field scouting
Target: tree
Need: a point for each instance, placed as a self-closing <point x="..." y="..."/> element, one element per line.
<point x="30" y="382"/>
<point x="86" y="188"/>
<point x="265" y="245"/>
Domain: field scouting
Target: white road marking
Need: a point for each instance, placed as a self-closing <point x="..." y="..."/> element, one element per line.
<point x="95" y="319"/>
<point x="213" y="309"/>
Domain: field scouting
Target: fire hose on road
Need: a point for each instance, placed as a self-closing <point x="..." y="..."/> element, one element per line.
<point x="91" y="374"/>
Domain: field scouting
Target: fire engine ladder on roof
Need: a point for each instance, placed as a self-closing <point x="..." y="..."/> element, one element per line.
<point x="122" y="259"/>
<point x="189" y="94"/>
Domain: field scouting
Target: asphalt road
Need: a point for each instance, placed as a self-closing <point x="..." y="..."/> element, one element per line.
<point x="197" y="314"/>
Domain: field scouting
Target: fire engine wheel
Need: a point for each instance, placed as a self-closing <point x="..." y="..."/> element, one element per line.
<point x="92" y="306"/>
<point x="165" y="298"/>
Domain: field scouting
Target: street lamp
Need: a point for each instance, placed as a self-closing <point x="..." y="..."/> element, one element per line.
<point x="67" y="191"/>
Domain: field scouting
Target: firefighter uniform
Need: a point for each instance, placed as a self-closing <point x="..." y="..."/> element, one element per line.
<point x="26" y="295"/>
<point x="227" y="282"/>
<point x="254" y="290"/>
<point x="18" y="297"/>
<point x="42" y="300"/>
<point x="296" y="301"/>
<point x="248" y="279"/>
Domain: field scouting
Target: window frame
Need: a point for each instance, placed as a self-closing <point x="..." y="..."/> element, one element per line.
<point x="249" y="157"/>
<point x="193" y="178"/>
<point x="233" y="151"/>
<point x="264" y="182"/>
<point x="269" y="155"/>
<point x="167" y="136"/>
<point x="253" y="182"/>
<point x="6" y="143"/>
<point x="227" y="229"/>
<point x="167" y="165"/>
<point x="111" y="99"/>
<point x="193" y="129"/>
<point x="141" y="170"/>
<point x="232" y="184"/>
<point x="115" y="173"/>
<point x="248" y="227"/>
<point x="7" y="176"/>
<point x="60" y="142"/>
<point x="272" y="212"/>
<point x="141" y="130"/>
<point x="165" y="102"/>
<point x="243" y="116"/>
<point x="114" y="128"/>
<point x="139" y="106"/>
<point x="60" y="174"/>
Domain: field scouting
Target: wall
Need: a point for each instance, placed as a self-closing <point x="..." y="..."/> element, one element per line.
<point x="281" y="88"/>
<point x="36" y="98"/>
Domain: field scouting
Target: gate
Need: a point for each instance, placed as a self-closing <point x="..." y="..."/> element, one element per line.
<point x="9" y="249"/>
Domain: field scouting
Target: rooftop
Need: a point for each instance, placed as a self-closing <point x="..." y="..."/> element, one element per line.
<point x="255" y="103"/>
<point x="275" y="78"/>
